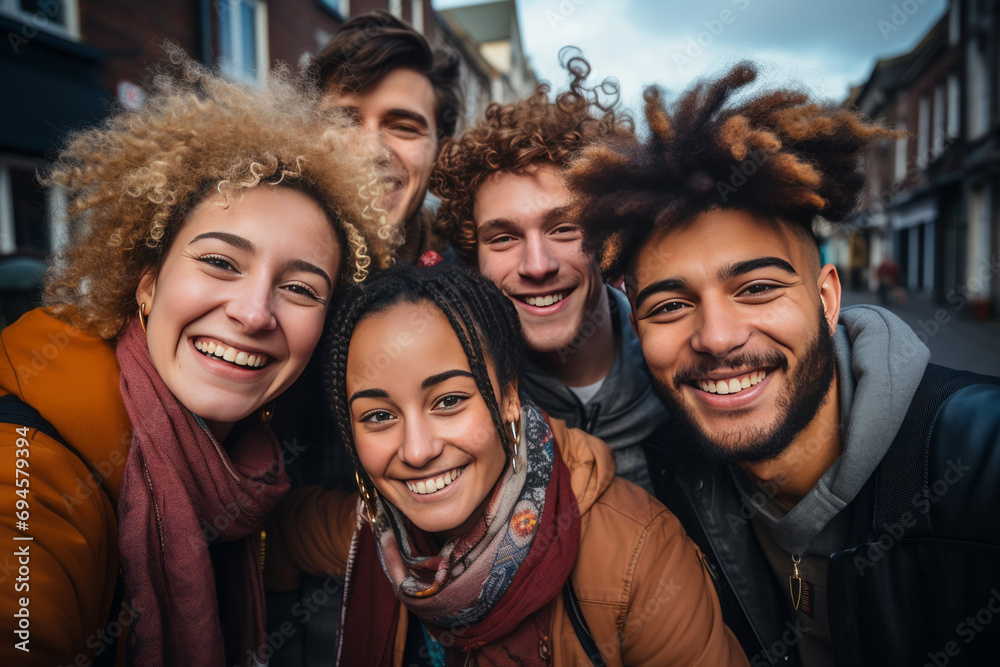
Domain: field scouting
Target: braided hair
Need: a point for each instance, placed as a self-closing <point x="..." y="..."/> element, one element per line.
<point x="483" y="319"/>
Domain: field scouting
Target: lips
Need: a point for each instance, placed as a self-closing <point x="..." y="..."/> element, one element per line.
<point x="433" y="484"/>
<point x="231" y="354"/>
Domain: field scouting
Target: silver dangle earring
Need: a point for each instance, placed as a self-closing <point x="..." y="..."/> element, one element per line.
<point x="515" y="433"/>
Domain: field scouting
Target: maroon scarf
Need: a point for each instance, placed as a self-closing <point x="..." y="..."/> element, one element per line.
<point x="515" y="630"/>
<point x="180" y="493"/>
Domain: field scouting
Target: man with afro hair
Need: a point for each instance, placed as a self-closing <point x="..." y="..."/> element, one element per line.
<point x="843" y="489"/>
<point x="505" y="211"/>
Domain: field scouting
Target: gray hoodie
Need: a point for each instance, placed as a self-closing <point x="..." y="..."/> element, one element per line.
<point x="880" y="362"/>
<point x="624" y="413"/>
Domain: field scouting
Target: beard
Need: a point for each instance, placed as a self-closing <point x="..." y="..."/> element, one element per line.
<point x="798" y="404"/>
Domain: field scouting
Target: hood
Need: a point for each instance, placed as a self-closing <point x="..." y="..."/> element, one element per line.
<point x="71" y="378"/>
<point x="590" y="462"/>
<point x="880" y="362"/>
<point x="625" y="411"/>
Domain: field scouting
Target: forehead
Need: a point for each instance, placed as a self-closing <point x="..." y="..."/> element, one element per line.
<point x="713" y="240"/>
<point x="406" y="338"/>
<point x="524" y="198"/>
<point x="401" y="88"/>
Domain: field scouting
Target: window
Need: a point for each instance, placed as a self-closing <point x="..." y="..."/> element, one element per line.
<point x="938" y="137"/>
<point x="243" y="39"/>
<point x="977" y="95"/>
<point x="923" y="132"/>
<point x="953" y="118"/>
<point x="59" y="17"/>
<point x="417" y="15"/>
<point x="396" y="8"/>
<point x="954" y="24"/>
<point x="24" y="209"/>
<point x="341" y="7"/>
<point x="899" y="173"/>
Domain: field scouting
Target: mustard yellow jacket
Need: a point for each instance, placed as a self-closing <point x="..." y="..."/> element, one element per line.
<point x="58" y="594"/>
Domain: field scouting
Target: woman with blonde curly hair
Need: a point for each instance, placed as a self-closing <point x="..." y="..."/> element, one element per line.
<point x="211" y="229"/>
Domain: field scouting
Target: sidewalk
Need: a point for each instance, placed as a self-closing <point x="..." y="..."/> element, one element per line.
<point x="955" y="340"/>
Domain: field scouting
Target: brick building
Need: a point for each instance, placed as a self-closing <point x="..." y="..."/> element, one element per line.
<point x="931" y="203"/>
<point x="65" y="63"/>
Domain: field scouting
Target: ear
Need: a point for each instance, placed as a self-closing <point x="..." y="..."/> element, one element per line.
<point x="147" y="288"/>
<point x="829" y="294"/>
<point x="510" y="404"/>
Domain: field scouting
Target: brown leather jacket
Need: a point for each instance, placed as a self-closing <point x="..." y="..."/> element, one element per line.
<point x="640" y="581"/>
<point x="66" y="581"/>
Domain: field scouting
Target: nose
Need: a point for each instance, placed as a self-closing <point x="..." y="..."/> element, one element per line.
<point x="420" y="444"/>
<point x="720" y="328"/>
<point x="537" y="260"/>
<point x="251" y="306"/>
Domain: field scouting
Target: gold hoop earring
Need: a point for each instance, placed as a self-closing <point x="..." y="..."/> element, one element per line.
<point x="515" y="433"/>
<point x="266" y="412"/>
<point x="142" y="316"/>
<point x="367" y="497"/>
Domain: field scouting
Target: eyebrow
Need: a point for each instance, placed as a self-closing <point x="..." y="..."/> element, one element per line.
<point x="739" y="268"/>
<point x="412" y="115"/>
<point x="490" y="226"/>
<point x="441" y="377"/>
<point x="247" y="246"/>
<point x="727" y="273"/>
<point x="668" y="285"/>
<point x="232" y="239"/>
<point x="355" y="113"/>
<point x="368" y="393"/>
<point x="303" y="265"/>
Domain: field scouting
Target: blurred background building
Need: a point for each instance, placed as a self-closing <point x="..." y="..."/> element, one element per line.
<point x="931" y="203"/>
<point x="65" y="63"/>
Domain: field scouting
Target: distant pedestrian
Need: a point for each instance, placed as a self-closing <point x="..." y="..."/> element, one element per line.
<point x="890" y="287"/>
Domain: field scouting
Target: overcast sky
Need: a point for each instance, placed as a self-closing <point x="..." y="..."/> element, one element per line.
<point x="826" y="46"/>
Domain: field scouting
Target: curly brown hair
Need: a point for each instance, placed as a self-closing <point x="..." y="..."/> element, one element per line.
<point x="514" y="137"/>
<point x="777" y="153"/>
<point x="132" y="181"/>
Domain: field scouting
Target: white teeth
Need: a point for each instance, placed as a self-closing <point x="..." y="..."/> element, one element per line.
<point x="732" y="385"/>
<point x="433" y="484"/>
<point x="230" y="354"/>
<point x="545" y="300"/>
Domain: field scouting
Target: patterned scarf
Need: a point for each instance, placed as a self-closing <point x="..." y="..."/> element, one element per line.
<point x="180" y="494"/>
<point x="484" y="593"/>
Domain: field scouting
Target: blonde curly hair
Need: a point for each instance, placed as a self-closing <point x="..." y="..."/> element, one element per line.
<point x="132" y="181"/>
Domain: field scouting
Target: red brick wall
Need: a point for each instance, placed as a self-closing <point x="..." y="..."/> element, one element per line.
<point x="130" y="33"/>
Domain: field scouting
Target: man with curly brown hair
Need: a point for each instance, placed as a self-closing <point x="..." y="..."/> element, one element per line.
<point x="505" y="211"/>
<point x="842" y="489"/>
<point x="405" y="95"/>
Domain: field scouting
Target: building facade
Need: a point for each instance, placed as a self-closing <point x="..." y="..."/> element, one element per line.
<point x="931" y="203"/>
<point x="67" y="63"/>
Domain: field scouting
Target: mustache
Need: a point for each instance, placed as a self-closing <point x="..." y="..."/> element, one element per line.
<point x="770" y="359"/>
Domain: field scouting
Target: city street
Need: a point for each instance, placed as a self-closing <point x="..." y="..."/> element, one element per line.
<point x="954" y="338"/>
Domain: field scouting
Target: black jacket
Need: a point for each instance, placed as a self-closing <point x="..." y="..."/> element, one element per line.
<point x="918" y="580"/>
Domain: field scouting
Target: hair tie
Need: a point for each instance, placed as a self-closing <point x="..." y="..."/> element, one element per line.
<point x="429" y="258"/>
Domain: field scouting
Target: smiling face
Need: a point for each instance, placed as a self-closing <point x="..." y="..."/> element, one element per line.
<point x="528" y="247"/>
<point x="399" y="111"/>
<point x="735" y="317"/>
<point x="422" y="430"/>
<point x="238" y="303"/>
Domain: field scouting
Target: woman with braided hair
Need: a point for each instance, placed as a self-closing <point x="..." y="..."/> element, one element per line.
<point x="210" y="230"/>
<point x="485" y="529"/>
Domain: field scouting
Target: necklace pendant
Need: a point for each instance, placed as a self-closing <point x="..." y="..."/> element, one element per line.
<point x="800" y="590"/>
